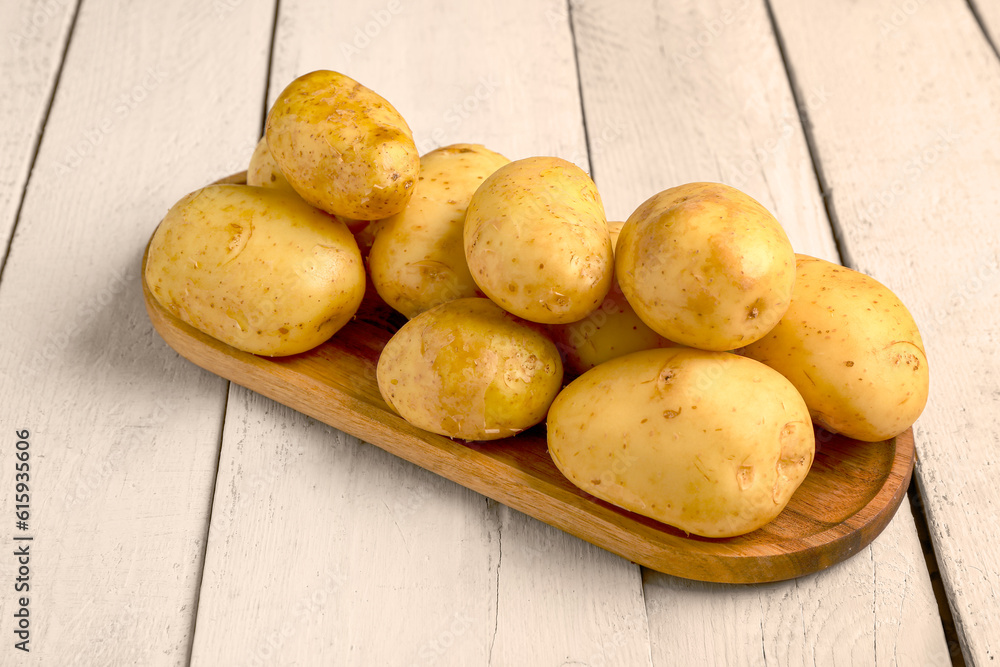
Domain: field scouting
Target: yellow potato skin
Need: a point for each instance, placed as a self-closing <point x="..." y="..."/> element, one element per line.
<point x="852" y="349"/>
<point x="417" y="259"/>
<point x="705" y="265"/>
<point x="610" y="331"/>
<point x="264" y="172"/>
<point x="537" y="243"/>
<point x="342" y="147"/>
<point x="256" y="268"/>
<point x="708" y="442"/>
<point x="467" y="369"/>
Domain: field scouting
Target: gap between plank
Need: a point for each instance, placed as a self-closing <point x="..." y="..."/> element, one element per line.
<point x="229" y="385"/>
<point x="913" y="494"/>
<point x="937" y="585"/>
<point x="270" y="64"/>
<point x="982" y="27"/>
<point x="579" y="87"/>
<point x="800" y="106"/>
<point x="41" y="134"/>
<point x="208" y="527"/>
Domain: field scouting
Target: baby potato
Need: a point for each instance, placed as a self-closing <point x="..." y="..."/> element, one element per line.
<point x="537" y="241"/>
<point x="853" y="351"/>
<point x="258" y="269"/>
<point x="614" y="230"/>
<point x="343" y="148"/>
<point x="467" y="369"/>
<point x="264" y="172"/>
<point x="417" y="259"/>
<point x="708" y="442"/>
<point x="705" y="265"/>
<point x="610" y="331"/>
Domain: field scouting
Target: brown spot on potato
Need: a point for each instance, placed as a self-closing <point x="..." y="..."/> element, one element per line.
<point x="744" y="477"/>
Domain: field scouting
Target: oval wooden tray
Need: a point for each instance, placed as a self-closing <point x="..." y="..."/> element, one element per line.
<point x="848" y="498"/>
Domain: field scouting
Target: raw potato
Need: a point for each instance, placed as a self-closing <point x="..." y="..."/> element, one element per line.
<point x="467" y="369"/>
<point x="610" y="331"/>
<point x="709" y="442"/>
<point x="264" y="172"/>
<point x="705" y="265"/>
<point x="418" y="259"/>
<point x="537" y="241"/>
<point x="343" y="148"/>
<point x="256" y="268"/>
<point x="852" y="349"/>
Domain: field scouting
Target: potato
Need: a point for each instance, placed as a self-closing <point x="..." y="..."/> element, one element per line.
<point x="417" y="259"/>
<point x="264" y="172"/>
<point x="853" y="351"/>
<point x="537" y="242"/>
<point x="343" y="148"/>
<point x="610" y="331"/>
<point x="708" y="442"/>
<point x="705" y="265"/>
<point x="256" y="268"/>
<point x="467" y="369"/>
<point x="614" y="230"/>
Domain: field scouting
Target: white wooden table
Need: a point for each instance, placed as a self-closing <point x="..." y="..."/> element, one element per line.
<point x="178" y="519"/>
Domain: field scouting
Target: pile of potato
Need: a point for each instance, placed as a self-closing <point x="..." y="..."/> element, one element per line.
<point x="703" y="348"/>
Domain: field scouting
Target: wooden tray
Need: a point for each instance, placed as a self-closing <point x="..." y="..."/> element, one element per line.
<point x="848" y="498"/>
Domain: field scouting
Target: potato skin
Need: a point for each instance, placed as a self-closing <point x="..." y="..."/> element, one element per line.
<point x="537" y="241"/>
<point x="611" y="331"/>
<point x="852" y="349"/>
<point x="256" y="268"/>
<point x="342" y="147"/>
<point x="705" y="265"/>
<point x="708" y="442"/>
<point x="467" y="369"/>
<point x="264" y="172"/>
<point x="417" y="259"/>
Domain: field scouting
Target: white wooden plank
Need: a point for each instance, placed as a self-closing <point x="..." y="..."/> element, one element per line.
<point x="698" y="92"/>
<point x="988" y="12"/>
<point x="432" y="574"/>
<point x="911" y="148"/>
<point x="124" y="433"/>
<point x="32" y="40"/>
